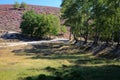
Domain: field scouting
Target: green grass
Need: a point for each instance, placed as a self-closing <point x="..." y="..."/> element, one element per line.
<point x="26" y="68"/>
<point x="56" y="67"/>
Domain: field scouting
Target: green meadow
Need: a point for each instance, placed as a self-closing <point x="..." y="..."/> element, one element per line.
<point x="63" y="63"/>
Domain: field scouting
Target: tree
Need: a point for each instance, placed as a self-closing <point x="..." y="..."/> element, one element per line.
<point x="29" y="23"/>
<point x="104" y="14"/>
<point x="53" y="22"/>
<point x="63" y="29"/>
<point x="39" y="25"/>
<point x="23" y="5"/>
<point x="16" y="5"/>
<point x="76" y="14"/>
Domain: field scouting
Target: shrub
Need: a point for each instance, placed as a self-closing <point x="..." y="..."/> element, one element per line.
<point x="39" y="25"/>
<point x="16" y="5"/>
<point x="53" y="23"/>
<point x="27" y="25"/>
<point x="63" y="29"/>
<point x="23" y="5"/>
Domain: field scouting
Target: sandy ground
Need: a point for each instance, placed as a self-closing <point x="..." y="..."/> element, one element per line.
<point x="10" y="44"/>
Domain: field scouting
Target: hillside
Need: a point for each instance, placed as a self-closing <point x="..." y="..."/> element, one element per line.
<point x="10" y="18"/>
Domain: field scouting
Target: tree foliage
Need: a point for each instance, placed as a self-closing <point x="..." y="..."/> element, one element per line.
<point x="63" y="29"/>
<point x="16" y="5"/>
<point x="39" y="25"/>
<point x="95" y="19"/>
<point x="23" y="5"/>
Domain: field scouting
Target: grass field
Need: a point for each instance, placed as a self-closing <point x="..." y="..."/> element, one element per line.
<point x="23" y="63"/>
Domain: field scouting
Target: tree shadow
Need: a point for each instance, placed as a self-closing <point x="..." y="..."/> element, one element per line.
<point x="76" y="72"/>
<point x="107" y="72"/>
<point x="56" y="57"/>
<point x="114" y="53"/>
<point x="88" y="47"/>
<point x="100" y="48"/>
<point x="94" y="61"/>
<point x="45" y="50"/>
<point x="11" y="36"/>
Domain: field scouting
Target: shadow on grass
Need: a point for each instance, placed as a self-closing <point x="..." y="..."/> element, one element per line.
<point x="108" y="72"/>
<point x="61" y="56"/>
<point x="102" y="50"/>
<point x="47" y="49"/>
<point x="114" y="53"/>
<point x="77" y="72"/>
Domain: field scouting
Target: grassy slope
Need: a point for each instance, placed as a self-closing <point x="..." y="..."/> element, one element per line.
<point x="64" y="66"/>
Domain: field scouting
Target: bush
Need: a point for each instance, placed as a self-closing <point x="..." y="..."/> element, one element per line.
<point x="23" y="5"/>
<point x="53" y="23"/>
<point x="39" y="25"/>
<point x="16" y="5"/>
<point x="63" y="29"/>
<point x="28" y="23"/>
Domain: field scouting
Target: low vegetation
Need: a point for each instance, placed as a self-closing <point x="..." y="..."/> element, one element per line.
<point x="46" y="62"/>
<point x="23" y="5"/>
<point x="16" y="5"/>
<point x="40" y="25"/>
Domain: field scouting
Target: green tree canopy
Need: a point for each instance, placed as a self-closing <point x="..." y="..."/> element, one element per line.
<point x="23" y="5"/>
<point x="39" y="25"/>
<point x="98" y="19"/>
<point x="16" y="5"/>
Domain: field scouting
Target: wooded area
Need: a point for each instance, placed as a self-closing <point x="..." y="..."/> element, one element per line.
<point x="97" y="20"/>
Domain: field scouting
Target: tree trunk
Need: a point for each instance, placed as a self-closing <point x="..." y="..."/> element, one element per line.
<point x="96" y="39"/>
<point x="70" y="36"/>
<point x="107" y="41"/>
<point x="86" y="38"/>
<point x="75" y="38"/>
<point x="118" y="42"/>
<point x="112" y="38"/>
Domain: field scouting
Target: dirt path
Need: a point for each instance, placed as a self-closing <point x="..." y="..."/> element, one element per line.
<point x="10" y="44"/>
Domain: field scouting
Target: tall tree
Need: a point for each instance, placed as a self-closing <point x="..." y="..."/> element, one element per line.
<point x="97" y="18"/>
